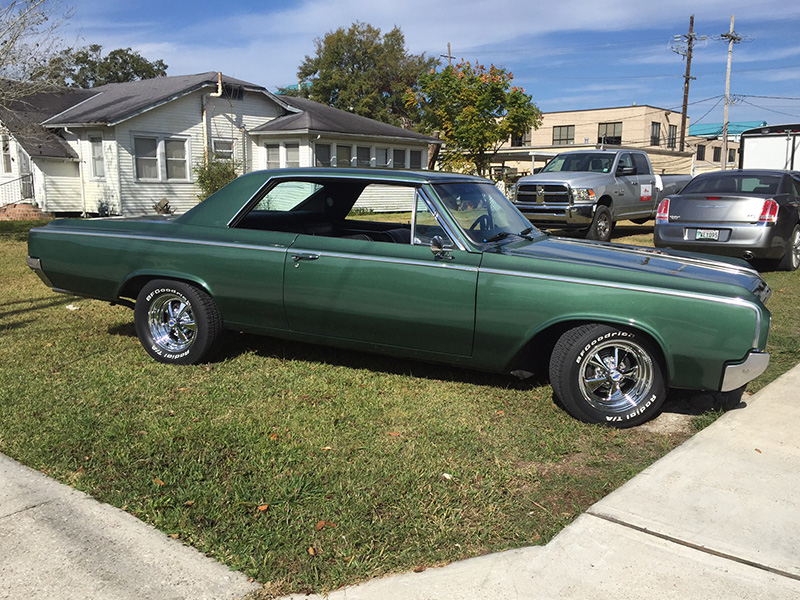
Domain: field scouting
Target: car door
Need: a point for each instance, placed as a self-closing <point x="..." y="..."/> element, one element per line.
<point x="395" y="294"/>
<point x="627" y="198"/>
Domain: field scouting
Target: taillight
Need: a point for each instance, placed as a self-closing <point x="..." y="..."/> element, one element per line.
<point x="769" y="213"/>
<point x="662" y="214"/>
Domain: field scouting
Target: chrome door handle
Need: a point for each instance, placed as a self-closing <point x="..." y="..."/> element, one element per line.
<point x="298" y="257"/>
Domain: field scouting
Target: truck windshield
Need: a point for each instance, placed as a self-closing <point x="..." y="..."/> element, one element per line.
<point x="580" y="161"/>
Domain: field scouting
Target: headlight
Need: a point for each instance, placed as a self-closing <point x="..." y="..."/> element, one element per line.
<point x="583" y="194"/>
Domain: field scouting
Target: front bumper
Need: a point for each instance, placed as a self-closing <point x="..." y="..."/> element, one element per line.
<point x="735" y="376"/>
<point x="575" y="216"/>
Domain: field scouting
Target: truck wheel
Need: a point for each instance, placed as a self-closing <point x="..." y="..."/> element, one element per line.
<point x="609" y="375"/>
<point x="602" y="224"/>
<point x="177" y="323"/>
<point x="791" y="260"/>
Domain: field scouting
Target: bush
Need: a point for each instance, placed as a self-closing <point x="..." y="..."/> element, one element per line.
<point x="214" y="175"/>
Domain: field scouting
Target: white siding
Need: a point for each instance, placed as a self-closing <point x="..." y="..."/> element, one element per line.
<point x="62" y="186"/>
<point x="386" y="198"/>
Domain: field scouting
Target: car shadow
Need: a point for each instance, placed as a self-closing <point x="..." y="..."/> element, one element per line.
<point x="34" y="305"/>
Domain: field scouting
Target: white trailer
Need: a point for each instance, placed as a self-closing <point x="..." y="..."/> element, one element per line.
<point x="770" y="147"/>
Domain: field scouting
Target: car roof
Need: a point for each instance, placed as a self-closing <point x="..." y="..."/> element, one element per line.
<point x="749" y="172"/>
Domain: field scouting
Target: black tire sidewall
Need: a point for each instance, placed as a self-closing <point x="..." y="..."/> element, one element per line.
<point x="201" y="342"/>
<point x="583" y="341"/>
<point x="601" y="212"/>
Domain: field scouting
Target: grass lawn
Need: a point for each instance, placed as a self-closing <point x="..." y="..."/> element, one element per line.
<point x="305" y="467"/>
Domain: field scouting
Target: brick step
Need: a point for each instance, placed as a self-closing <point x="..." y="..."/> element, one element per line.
<point x="22" y="212"/>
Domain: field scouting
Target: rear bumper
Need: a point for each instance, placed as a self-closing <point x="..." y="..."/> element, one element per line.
<point x="745" y="241"/>
<point x="737" y="375"/>
<point x="36" y="265"/>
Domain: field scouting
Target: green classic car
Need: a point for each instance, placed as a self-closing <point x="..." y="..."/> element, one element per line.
<point x="432" y="266"/>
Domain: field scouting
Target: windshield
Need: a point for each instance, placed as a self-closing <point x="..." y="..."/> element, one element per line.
<point x="580" y="161"/>
<point x="482" y="212"/>
<point x="757" y="185"/>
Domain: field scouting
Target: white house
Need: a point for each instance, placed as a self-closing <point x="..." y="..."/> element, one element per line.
<point x="122" y="148"/>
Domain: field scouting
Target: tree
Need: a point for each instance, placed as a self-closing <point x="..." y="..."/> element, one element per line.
<point x="28" y="38"/>
<point x="475" y="111"/>
<point x="87" y="67"/>
<point x="362" y="72"/>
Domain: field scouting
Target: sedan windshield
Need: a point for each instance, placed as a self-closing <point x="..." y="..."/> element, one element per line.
<point x="580" y="161"/>
<point x="752" y="185"/>
<point x="482" y="212"/>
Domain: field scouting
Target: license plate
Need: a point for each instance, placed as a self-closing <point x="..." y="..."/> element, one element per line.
<point x="707" y="234"/>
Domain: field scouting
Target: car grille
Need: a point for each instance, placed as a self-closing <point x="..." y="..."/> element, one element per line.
<point x="543" y="193"/>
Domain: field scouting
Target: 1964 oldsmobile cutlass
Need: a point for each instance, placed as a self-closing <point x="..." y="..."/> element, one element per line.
<point x="433" y="266"/>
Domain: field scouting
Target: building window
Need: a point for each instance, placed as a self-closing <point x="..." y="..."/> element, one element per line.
<point x="160" y="158"/>
<point x="223" y="150"/>
<point x="610" y="133"/>
<point x="273" y="152"/>
<point x="415" y="161"/>
<point x="363" y="157"/>
<point x="399" y="159"/>
<point x="518" y="141"/>
<point x="381" y="157"/>
<point x="344" y="156"/>
<point x="701" y="152"/>
<point x="292" y="155"/>
<point x="5" y="144"/>
<point x="563" y="135"/>
<point x="655" y="133"/>
<point x="717" y="154"/>
<point x="671" y="136"/>
<point x="732" y="155"/>
<point x="98" y="161"/>
<point x="322" y="155"/>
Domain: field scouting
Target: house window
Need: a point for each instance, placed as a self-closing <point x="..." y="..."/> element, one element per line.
<point x="399" y="159"/>
<point x="363" y="157"/>
<point x="655" y="133"/>
<point x="98" y="160"/>
<point x="5" y="143"/>
<point x="146" y="152"/>
<point x="701" y="152"/>
<point x="563" y="135"/>
<point x="223" y="149"/>
<point x="273" y="152"/>
<point x="344" y="155"/>
<point x="161" y="158"/>
<point x="717" y="154"/>
<point x="671" y="136"/>
<point x="292" y="155"/>
<point x="732" y="155"/>
<point x="322" y="155"/>
<point x="609" y="133"/>
<point x="415" y="159"/>
<point x="381" y="157"/>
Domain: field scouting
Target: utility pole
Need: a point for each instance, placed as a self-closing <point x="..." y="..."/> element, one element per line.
<point x="687" y="52"/>
<point x="733" y="38"/>
<point x="448" y="56"/>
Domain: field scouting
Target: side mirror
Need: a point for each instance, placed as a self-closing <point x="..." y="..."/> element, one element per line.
<point x="626" y="170"/>
<point x="438" y="248"/>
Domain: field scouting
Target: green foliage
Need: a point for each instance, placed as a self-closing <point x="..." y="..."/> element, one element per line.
<point x="362" y="72"/>
<point x="214" y="175"/>
<point x="87" y="68"/>
<point x="475" y="110"/>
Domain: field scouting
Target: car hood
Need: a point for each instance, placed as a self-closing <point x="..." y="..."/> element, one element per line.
<point x="574" y="178"/>
<point x="632" y="265"/>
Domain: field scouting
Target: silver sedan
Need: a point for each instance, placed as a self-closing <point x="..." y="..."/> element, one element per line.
<point x="747" y="213"/>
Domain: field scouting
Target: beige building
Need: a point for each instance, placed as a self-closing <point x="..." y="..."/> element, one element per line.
<point x="655" y="130"/>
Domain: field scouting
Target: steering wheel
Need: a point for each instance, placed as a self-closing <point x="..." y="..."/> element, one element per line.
<point x="482" y="223"/>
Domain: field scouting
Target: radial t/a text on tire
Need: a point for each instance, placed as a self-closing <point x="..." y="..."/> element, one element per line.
<point x="177" y="323"/>
<point x="606" y="374"/>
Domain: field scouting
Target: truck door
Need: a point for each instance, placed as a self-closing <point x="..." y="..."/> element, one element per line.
<point x="648" y="194"/>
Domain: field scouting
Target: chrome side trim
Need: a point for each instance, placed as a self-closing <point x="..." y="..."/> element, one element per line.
<point x="640" y="288"/>
<point x="736" y="376"/>
<point x="153" y="238"/>
<point x="386" y="259"/>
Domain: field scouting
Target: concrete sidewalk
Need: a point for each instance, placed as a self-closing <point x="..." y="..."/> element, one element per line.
<point x="717" y="517"/>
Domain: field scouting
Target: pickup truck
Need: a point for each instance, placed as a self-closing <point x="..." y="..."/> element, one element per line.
<point x="590" y="190"/>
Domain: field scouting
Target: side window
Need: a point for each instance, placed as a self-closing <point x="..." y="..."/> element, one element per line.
<point x="287" y="195"/>
<point x="625" y="161"/>
<point x="795" y="186"/>
<point x="642" y="168"/>
<point x="426" y="226"/>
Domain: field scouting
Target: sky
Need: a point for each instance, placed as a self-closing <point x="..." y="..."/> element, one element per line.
<point x="568" y="54"/>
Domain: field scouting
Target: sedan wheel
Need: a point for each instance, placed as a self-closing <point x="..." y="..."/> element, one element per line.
<point x="791" y="260"/>
<point x="176" y="322"/>
<point x="604" y="374"/>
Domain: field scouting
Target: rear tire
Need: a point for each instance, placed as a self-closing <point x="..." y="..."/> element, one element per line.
<point x="791" y="260"/>
<point x="177" y="323"/>
<point x="605" y="374"/>
<point x="602" y="225"/>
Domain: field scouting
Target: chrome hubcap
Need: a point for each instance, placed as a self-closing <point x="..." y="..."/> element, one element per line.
<point x="616" y="376"/>
<point x="171" y="323"/>
<point x="796" y="249"/>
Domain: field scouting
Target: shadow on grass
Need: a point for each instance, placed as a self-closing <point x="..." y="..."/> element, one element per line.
<point x="37" y="304"/>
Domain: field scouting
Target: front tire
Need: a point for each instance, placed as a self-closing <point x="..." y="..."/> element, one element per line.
<point x="609" y="375"/>
<point x="602" y="225"/>
<point x="177" y="323"/>
<point x="791" y="260"/>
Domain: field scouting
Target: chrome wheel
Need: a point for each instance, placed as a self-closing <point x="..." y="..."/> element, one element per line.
<point x="616" y="376"/>
<point x="795" y="249"/>
<point x="171" y="322"/>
